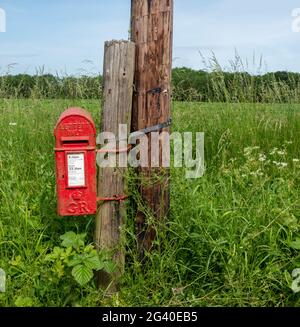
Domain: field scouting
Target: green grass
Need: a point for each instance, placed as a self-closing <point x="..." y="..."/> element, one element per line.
<point x="226" y="242"/>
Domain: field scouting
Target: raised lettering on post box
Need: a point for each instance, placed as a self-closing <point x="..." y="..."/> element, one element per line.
<point x="75" y="158"/>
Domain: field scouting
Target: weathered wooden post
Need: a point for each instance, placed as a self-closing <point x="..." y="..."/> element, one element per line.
<point x="118" y="76"/>
<point x="152" y="32"/>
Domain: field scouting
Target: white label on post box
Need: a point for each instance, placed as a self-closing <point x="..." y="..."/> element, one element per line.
<point x="76" y="176"/>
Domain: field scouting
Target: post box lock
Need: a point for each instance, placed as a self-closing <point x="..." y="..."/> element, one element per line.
<point x="75" y="146"/>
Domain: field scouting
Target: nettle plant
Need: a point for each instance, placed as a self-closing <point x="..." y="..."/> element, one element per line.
<point x="78" y="259"/>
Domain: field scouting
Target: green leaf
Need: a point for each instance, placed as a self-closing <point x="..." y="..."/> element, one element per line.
<point x="288" y="277"/>
<point x="90" y="249"/>
<point x="82" y="274"/>
<point x="295" y="244"/>
<point x="69" y="251"/>
<point x="24" y="302"/>
<point x="70" y="239"/>
<point x="109" y="266"/>
<point x="93" y="262"/>
<point x="76" y="260"/>
<point x="56" y="254"/>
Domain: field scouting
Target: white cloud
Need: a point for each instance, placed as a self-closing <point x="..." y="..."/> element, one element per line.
<point x="65" y="35"/>
<point x="263" y="27"/>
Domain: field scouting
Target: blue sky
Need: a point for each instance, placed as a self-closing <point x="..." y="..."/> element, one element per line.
<point x="67" y="36"/>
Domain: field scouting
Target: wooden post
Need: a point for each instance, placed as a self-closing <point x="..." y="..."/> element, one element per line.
<point x="118" y="76"/>
<point x="152" y="32"/>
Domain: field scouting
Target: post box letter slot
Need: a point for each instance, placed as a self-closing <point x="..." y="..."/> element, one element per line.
<point x="75" y="141"/>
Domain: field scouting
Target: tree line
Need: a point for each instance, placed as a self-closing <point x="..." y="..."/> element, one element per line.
<point x="50" y="87"/>
<point x="187" y="85"/>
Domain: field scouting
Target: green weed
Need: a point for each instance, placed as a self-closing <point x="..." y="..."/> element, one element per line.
<point x="227" y="241"/>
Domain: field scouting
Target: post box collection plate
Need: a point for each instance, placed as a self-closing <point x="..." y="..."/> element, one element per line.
<point x="75" y="163"/>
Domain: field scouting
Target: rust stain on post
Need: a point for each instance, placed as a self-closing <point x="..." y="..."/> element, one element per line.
<point x="152" y="32"/>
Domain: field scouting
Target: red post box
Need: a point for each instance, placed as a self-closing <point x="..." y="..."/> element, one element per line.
<point x="75" y="157"/>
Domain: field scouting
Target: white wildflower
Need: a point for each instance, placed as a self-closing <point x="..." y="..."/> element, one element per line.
<point x="273" y="151"/>
<point x="281" y="152"/>
<point x="247" y="151"/>
<point x="12" y="124"/>
<point x="250" y="149"/>
<point x="262" y="157"/>
<point x="283" y="164"/>
<point x="257" y="173"/>
<point x="280" y="164"/>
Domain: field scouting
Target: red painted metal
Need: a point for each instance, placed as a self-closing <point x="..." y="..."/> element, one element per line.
<point x="75" y="156"/>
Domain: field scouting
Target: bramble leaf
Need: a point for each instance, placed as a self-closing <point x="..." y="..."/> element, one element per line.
<point x="70" y="239"/>
<point x="109" y="266"/>
<point x="76" y="260"/>
<point x="93" y="262"/>
<point x="82" y="274"/>
<point x="295" y="244"/>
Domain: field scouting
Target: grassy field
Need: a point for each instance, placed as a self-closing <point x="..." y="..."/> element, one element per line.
<point x="230" y="240"/>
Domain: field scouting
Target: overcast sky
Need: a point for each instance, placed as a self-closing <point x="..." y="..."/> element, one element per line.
<point x="66" y="36"/>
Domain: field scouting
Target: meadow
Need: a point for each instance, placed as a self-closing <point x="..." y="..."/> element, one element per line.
<point x="233" y="235"/>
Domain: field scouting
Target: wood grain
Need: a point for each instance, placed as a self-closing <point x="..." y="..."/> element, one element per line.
<point x="118" y="74"/>
<point x="152" y="32"/>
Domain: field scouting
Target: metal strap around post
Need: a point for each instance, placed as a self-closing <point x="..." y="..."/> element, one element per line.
<point x="151" y="129"/>
<point x="117" y="198"/>
<point x="120" y="150"/>
<point x="138" y="133"/>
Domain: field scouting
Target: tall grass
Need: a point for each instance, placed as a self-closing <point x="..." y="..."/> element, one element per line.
<point x="42" y="85"/>
<point x="212" y="84"/>
<point x="235" y="84"/>
<point x="227" y="240"/>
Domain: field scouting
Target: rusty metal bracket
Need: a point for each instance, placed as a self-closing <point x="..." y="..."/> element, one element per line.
<point x="120" y="150"/>
<point x="151" y="129"/>
<point x="117" y="198"/>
